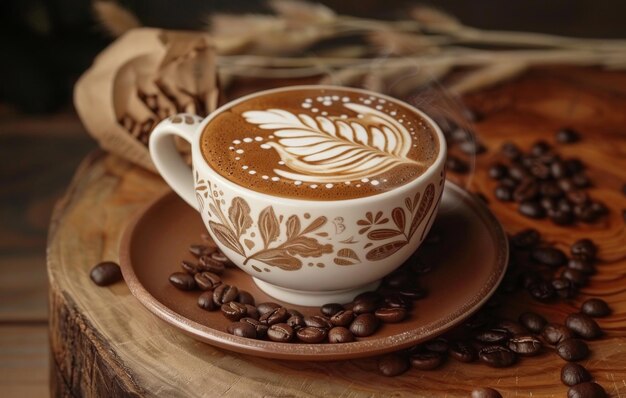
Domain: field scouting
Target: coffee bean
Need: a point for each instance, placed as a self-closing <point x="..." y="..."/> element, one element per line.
<point x="509" y="182"/>
<point x="107" y="273"/>
<point x="540" y="169"/>
<point x="221" y="257"/>
<point x="526" y="345"/>
<point x="577" y="197"/>
<point x="342" y="318"/>
<point x="205" y="301"/>
<point x="532" y="209"/>
<point x="251" y="311"/>
<point x="548" y="255"/>
<point x="368" y="296"/>
<point x="533" y="321"/>
<point x="183" y="281"/>
<point x="583" y="325"/>
<point x="518" y="172"/>
<point x="583" y="265"/>
<point x="331" y="309"/>
<point x="391" y="315"/>
<point x="266" y="307"/>
<point x="572" y="350"/>
<point x="224" y="294"/>
<point x="497" y="356"/>
<point x="540" y="148"/>
<point x="398" y="301"/>
<point x="318" y="322"/>
<point x="581" y="180"/>
<point x="584" y="248"/>
<point x="294" y="312"/>
<point x="554" y="334"/>
<point x="586" y="390"/>
<point x="242" y="329"/>
<point x="413" y="293"/>
<point x="261" y="329"/>
<point x="439" y="345"/>
<point x="542" y="291"/>
<point x="234" y="311"/>
<point x="207" y="280"/>
<point x="296" y="322"/>
<point x="245" y="298"/>
<point x="503" y="193"/>
<point x="596" y="308"/>
<point x="280" y="332"/>
<point x="510" y="151"/>
<point x="578" y="278"/>
<point x="364" y="325"/>
<point x="525" y="239"/>
<point x="456" y="165"/>
<point x="459" y="135"/>
<point x="462" y="351"/>
<point x="512" y="327"/>
<point x="393" y="364"/>
<point x="365" y="306"/>
<point x="564" y="288"/>
<point x="277" y="315"/>
<point x="207" y="263"/>
<point x="567" y="136"/>
<point x="574" y="165"/>
<point x="566" y="184"/>
<point x="573" y="373"/>
<point x="550" y="189"/>
<point x="339" y="334"/>
<point x="558" y="170"/>
<point x="189" y="267"/>
<point x="311" y="335"/>
<point x="420" y="267"/>
<point x="491" y="336"/>
<point x="498" y="171"/>
<point x="427" y="360"/>
<point x="201" y="250"/>
<point x="485" y="392"/>
<point x="560" y="217"/>
<point x="472" y="147"/>
<point x="397" y="279"/>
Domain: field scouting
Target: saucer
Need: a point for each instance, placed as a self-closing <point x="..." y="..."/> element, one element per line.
<point x="469" y="261"/>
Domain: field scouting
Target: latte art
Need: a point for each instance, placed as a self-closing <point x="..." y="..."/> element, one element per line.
<point x="319" y="144"/>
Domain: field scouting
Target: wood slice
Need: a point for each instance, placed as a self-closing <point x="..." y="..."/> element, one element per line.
<point x="104" y="343"/>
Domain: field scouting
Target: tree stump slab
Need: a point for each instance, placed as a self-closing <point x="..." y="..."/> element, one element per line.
<point x="104" y="343"/>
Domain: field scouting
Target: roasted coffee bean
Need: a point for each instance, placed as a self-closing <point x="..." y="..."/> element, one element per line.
<point x="439" y="345"/>
<point x="583" y="325"/>
<point x="205" y="301"/>
<point x="518" y="172"/>
<point x="542" y="291"/>
<point x="224" y="294"/>
<point x="567" y="136"/>
<point x="189" y="267"/>
<point x="491" y="336"/>
<point x="564" y="288"/>
<point x="560" y="217"/>
<point x="540" y="148"/>
<point x="525" y="239"/>
<point x="462" y="351"/>
<point x="512" y="327"/>
<point x="510" y="151"/>
<point x="572" y="350"/>
<point x="293" y="312"/>
<point x="503" y="193"/>
<point x="252" y="312"/>
<point x="532" y="209"/>
<point x="420" y="267"/>
<point x="364" y="325"/>
<point x="509" y="182"/>
<point x="577" y="197"/>
<point x="583" y="265"/>
<point x="266" y="307"/>
<point x="311" y="335"/>
<point x="234" y="311"/>
<point x="318" y="321"/>
<point x="342" y="318"/>
<point x="566" y="184"/>
<point x="207" y="263"/>
<point x="427" y="360"/>
<point x="340" y="334"/>
<point x="368" y="296"/>
<point x="558" y="169"/>
<point x="107" y="273"/>
<point x="393" y="364"/>
<point x="397" y="279"/>
<point x="331" y="309"/>
<point x="472" y="147"/>
<point x="584" y="248"/>
<point x="596" y="308"/>
<point x="296" y="322"/>
<point x="533" y="321"/>
<point x="586" y="390"/>
<point x="365" y="306"/>
<point x="578" y="278"/>
<point x="498" y="171"/>
<point x="456" y="165"/>
<point x="242" y="329"/>
<point x="573" y="373"/>
<point x="529" y="277"/>
<point x="485" y="392"/>
<point x="581" y="180"/>
<point x="497" y="356"/>
<point x="277" y="315"/>
<point x="540" y="170"/>
<point x="280" y="332"/>
<point x="554" y="333"/>
<point x="398" y="301"/>
<point x="548" y="255"/>
<point x="550" y="189"/>
<point x="261" y="329"/>
<point x="201" y="250"/>
<point x="478" y="320"/>
<point x="391" y="315"/>
<point x="182" y="281"/>
<point x="413" y="293"/>
<point x="207" y="280"/>
<point x="526" y="345"/>
<point x="574" y="165"/>
<point x="245" y="298"/>
<point x="221" y="257"/>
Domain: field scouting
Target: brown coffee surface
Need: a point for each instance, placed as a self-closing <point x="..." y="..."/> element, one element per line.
<point x="319" y="144"/>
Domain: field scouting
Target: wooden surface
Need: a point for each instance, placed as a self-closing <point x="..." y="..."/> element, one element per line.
<point x="105" y="343"/>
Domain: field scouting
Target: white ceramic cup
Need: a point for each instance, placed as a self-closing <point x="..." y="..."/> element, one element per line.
<point x="305" y="252"/>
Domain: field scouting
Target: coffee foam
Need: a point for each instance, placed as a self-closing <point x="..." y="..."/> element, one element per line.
<point x="319" y="144"/>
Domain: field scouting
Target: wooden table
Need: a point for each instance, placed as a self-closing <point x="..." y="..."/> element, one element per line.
<point x="104" y="343"/>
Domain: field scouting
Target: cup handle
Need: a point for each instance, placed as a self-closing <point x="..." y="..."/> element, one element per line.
<point x="168" y="160"/>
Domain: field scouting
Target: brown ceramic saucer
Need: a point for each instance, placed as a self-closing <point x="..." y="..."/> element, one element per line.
<point x="469" y="263"/>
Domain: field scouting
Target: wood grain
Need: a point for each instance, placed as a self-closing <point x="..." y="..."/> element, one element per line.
<point x="24" y="359"/>
<point x="104" y="343"/>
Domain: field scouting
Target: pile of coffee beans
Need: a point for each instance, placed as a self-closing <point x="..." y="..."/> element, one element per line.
<point x="460" y="137"/>
<point x="544" y="184"/>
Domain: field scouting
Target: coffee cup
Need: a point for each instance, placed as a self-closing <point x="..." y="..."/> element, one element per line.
<point x="317" y="192"/>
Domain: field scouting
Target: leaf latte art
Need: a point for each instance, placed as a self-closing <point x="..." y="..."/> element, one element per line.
<point x="330" y="149"/>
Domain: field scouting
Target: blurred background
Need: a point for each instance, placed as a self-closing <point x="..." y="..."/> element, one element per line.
<point x="46" y="45"/>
